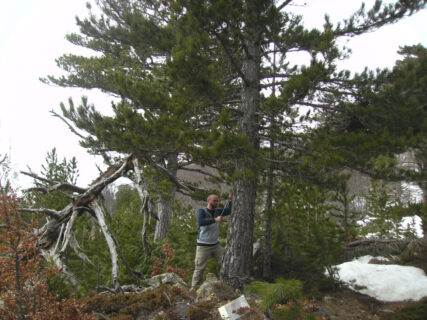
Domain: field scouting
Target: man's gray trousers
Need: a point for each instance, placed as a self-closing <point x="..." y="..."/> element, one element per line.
<point x="203" y="253"/>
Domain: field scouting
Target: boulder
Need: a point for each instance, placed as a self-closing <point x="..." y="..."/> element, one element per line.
<point x="166" y="278"/>
<point x="213" y="288"/>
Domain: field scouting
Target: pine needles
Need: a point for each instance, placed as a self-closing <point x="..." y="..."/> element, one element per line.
<point x="280" y="291"/>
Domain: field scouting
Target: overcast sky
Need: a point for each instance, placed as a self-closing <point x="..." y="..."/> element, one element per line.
<point x="32" y="35"/>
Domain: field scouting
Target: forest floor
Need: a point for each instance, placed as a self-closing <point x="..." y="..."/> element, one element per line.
<point x="345" y="304"/>
<point x="171" y="299"/>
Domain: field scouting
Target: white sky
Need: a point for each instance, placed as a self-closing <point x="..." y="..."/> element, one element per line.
<point x="384" y="282"/>
<point x="32" y="34"/>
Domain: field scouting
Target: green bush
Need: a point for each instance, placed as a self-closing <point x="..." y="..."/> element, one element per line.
<point x="278" y="292"/>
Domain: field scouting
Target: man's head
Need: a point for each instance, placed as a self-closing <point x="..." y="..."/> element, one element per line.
<point x="212" y="201"/>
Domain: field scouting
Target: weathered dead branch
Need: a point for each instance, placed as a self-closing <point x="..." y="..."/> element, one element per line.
<point x="377" y="247"/>
<point x="53" y="185"/>
<point x="57" y="234"/>
<point x="146" y="204"/>
<point x="182" y="187"/>
<point x="51" y="213"/>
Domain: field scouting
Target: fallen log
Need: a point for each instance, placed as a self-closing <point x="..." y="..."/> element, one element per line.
<point x="381" y="247"/>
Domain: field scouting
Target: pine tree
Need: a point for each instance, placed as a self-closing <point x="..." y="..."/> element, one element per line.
<point x="383" y="212"/>
<point x="191" y="77"/>
<point x="405" y="94"/>
<point x="385" y="119"/>
<point x="132" y="42"/>
<point x="64" y="171"/>
<point x="343" y="211"/>
<point x="246" y="34"/>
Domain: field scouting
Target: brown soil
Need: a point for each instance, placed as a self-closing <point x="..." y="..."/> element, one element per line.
<point x="345" y="304"/>
<point x="176" y="303"/>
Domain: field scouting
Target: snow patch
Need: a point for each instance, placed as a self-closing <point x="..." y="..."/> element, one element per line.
<point x="384" y="282"/>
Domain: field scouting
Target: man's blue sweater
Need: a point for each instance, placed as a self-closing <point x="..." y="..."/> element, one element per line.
<point x="208" y="229"/>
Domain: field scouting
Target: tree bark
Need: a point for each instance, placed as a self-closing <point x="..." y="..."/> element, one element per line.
<point x="235" y="269"/>
<point x="99" y="212"/>
<point x="145" y="203"/>
<point x="266" y="271"/>
<point x="166" y="200"/>
<point x="164" y="209"/>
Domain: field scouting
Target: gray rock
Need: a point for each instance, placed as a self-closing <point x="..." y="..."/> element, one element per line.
<point x="213" y="288"/>
<point x="169" y="278"/>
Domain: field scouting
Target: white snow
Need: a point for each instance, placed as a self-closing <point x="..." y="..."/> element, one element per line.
<point x="384" y="282"/>
<point x="414" y="224"/>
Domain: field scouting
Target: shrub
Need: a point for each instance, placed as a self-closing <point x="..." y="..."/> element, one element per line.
<point x="272" y="293"/>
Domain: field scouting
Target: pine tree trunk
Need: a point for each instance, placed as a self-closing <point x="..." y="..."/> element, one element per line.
<point x="268" y="224"/>
<point x="165" y="202"/>
<point x="164" y="209"/>
<point x="235" y="267"/>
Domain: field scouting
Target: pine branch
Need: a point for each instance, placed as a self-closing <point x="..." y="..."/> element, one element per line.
<point x="51" y="213"/>
<point x="198" y="170"/>
<point x="237" y="66"/>
<point x="54" y="185"/>
<point x="171" y="177"/>
<point x="73" y="130"/>
<point x="390" y="13"/>
<point x="284" y="4"/>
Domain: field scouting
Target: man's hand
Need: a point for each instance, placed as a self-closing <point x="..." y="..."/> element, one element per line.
<point x="219" y="219"/>
<point x="230" y="194"/>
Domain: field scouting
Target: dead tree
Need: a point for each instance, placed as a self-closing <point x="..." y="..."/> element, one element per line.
<point x="377" y="247"/>
<point x="147" y="206"/>
<point x="57" y="233"/>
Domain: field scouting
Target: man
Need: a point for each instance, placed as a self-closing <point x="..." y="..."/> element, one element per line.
<point x="208" y="244"/>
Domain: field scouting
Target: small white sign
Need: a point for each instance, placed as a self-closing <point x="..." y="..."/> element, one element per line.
<point x="228" y="311"/>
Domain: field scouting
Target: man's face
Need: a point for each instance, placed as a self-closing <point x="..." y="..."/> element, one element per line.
<point x="213" y="201"/>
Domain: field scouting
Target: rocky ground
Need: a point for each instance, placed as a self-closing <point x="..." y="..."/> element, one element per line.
<point x="345" y="304"/>
<point x="167" y="296"/>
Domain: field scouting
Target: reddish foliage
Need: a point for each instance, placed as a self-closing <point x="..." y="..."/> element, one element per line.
<point x="157" y="267"/>
<point x="23" y="283"/>
<point x="167" y="249"/>
<point x="176" y="270"/>
<point x="160" y="266"/>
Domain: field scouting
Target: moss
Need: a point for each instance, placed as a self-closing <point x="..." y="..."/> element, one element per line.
<point x="109" y="304"/>
<point x="123" y="317"/>
<point x="200" y="310"/>
<point x="414" y="311"/>
<point x="195" y="313"/>
<point x="155" y="299"/>
<point x="250" y="313"/>
<point x="415" y="256"/>
<point x="129" y="306"/>
<point x="207" y="304"/>
<point x="291" y="312"/>
<point x="254" y="314"/>
<point x="177" y="294"/>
